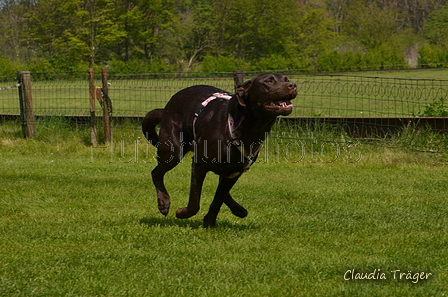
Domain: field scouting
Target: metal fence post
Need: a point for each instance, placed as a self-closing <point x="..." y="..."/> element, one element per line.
<point x="26" y="104"/>
<point x="93" y="135"/>
<point x="106" y="107"/>
<point x="238" y="78"/>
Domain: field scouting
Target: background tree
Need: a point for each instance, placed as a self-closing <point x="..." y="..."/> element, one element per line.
<point x="194" y="34"/>
<point x="371" y="25"/>
<point x="436" y="27"/>
<point x="152" y="18"/>
<point x="11" y="24"/>
<point x="221" y="35"/>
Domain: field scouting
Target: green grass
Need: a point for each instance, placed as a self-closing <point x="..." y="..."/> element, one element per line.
<point x="78" y="221"/>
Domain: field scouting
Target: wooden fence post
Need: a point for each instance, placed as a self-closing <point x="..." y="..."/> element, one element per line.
<point x="93" y="135"/>
<point x="238" y="78"/>
<point x="26" y="104"/>
<point x="106" y="107"/>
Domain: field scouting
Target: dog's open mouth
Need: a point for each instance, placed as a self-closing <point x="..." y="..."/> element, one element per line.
<point x="279" y="105"/>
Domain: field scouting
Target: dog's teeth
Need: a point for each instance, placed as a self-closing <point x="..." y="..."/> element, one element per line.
<point x="282" y="104"/>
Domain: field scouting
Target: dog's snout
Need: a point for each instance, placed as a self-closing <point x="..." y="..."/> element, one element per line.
<point x="292" y="86"/>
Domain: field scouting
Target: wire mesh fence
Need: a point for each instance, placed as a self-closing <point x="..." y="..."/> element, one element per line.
<point x="358" y="96"/>
<point x="355" y="103"/>
<point x="139" y="94"/>
<point x="9" y="102"/>
<point x="133" y="94"/>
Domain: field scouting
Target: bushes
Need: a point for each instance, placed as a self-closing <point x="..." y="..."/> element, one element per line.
<point x="379" y="58"/>
<point x="432" y="56"/>
<point x="275" y="62"/>
<point x="438" y="108"/>
<point x="334" y="60"/>
<point x="383" y="57"/>
<point x="141" y="65"/>
<point x="7" y="67"/>
<point x="222" y="64"/>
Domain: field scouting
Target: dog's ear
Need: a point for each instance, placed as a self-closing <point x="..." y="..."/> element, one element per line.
<point x="241" y="92"/>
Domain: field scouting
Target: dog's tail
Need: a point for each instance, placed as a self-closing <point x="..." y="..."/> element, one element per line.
<point x="151" y="120"/>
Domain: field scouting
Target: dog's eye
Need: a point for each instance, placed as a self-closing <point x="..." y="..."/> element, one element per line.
<point x="269" y="81"/>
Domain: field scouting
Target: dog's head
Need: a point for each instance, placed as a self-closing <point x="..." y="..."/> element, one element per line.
<point x="270" y="93"/>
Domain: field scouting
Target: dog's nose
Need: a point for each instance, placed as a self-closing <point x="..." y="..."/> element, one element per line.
<point x="292" y="86"/>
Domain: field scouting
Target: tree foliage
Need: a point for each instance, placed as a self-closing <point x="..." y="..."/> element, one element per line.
<point x="436" y="28"/>
<point x="220" y="35"/>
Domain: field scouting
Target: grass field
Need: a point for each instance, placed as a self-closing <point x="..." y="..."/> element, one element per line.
<point x="360" y="94"/>
<point x="78" y="221"/>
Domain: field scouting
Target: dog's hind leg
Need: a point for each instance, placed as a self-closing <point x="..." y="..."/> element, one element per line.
<point x="222" y="195"/>
<point x="168" y="157"/>
<point x="235" y="207"/>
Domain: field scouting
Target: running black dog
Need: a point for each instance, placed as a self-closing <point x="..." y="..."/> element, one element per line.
<point x="225" y="131"/>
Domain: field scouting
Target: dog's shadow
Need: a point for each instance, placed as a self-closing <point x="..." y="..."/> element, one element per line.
<point x="192" y="224"/>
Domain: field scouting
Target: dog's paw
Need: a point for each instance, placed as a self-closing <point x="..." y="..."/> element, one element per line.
<point x="240" y="212"/>
<point x="209" y="223"/>
<point x="164" y="210"/>
<point x="164" y="206"/>
<point x="184" y="213"/>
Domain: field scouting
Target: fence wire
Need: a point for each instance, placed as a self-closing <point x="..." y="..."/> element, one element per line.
<point x="352" y="104"/>
<point x="9" y="102"/>
<point x="357" y="96"/>
<point x="133" y="94"/>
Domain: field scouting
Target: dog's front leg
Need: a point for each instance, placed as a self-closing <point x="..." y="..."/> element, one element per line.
<point x="197" y="179"/>
<point x="222" y="195"/>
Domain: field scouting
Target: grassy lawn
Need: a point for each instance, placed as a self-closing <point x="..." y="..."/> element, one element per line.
<point x="77" y="221"/>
